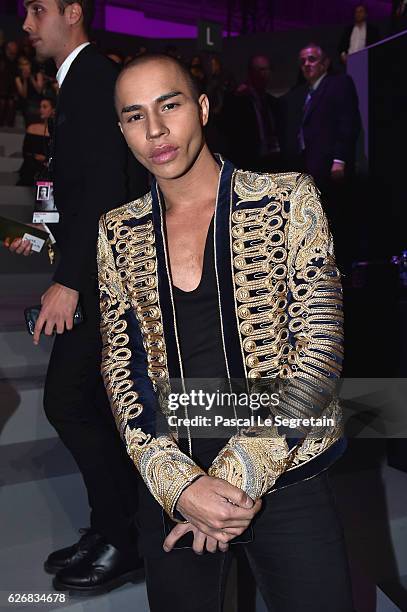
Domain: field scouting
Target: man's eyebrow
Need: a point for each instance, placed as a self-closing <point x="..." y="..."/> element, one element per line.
<point x="169" y="95"/>
<point x="131" y="108"/>
<point x="163" y="98"/>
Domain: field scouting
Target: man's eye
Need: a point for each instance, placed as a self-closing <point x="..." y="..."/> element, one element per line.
<point x="133" y="118"/>
<point x="170" y="105"/>
<point x="37" y="9"/>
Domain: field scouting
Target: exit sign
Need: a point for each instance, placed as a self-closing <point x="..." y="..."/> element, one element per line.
<point x="209" y="36"/>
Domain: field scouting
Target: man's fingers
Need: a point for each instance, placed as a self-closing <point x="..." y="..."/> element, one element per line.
<point x="235" y="531"/>
<point x="229" y="515"/>
<point x="68" y="323"/>
<point x="223" y="547"/>
<point x="198" y="545"/>
<point x="257" y="505"/>
<point x="234" y="495"/>
<point x="175" y="534"/>
<point x="28" y="250"/>
<point x="212" y="544"/>
<point x="24" y="248"/>
<point x="50" y="326"/>
<point x="60" y="325"/>
<point x="223" y="537"/>
<point x="38" y="328"/>
<point x="19" y="246"/>
<point x="13" y="246"/>
<point x="231" y="523"/>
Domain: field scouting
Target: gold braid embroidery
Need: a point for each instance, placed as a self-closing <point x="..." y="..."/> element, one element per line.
<point x="275" y="253"/>
<point x="130" y="282"/>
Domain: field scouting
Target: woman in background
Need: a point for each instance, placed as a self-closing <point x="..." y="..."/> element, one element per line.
<point x="29" y="90"/>
<point x="36" y="144"/>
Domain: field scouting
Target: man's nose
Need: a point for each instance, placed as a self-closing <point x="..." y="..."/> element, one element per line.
<point x="27" y="25"/>
<point x="156" y="128"/>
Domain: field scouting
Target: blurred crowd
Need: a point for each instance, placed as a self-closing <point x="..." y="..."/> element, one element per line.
<point x="313" y="127"/>
<point x="23" y="82"/>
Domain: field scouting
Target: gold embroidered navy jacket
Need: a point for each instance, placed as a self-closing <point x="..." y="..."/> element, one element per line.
<point x="280" y="302"/>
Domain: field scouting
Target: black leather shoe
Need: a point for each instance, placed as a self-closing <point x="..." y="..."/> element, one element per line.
<point x="105" y="568"/>
<point x="64" y="557"/>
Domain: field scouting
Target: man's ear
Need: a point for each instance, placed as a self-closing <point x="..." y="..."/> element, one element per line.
<point x="203" y="109"/>
<point x="74" y="13"/>
<point x="119" y="123"/>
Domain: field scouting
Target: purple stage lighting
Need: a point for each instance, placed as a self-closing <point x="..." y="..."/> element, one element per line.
<point x="135" y="23"/>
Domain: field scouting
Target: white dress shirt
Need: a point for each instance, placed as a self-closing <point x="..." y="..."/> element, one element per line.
<point x="358" y="38"/>
<point x="66" y="64"/>
<point x="317" y="83"/>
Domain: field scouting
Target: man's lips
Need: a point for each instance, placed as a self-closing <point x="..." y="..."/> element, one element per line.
<point x="164" y="154"/>
<point x="34" y="41"/>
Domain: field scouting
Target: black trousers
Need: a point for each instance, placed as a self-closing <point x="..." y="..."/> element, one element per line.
<point x="297" y="556"/>
<point x="77" y="406"/>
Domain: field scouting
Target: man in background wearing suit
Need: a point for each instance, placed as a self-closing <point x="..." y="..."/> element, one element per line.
<point x="89" y="164"/>
<point x="321" y="120"/>
<point x="254" y="143"/>
<point x="358" y="36"/>
<point x="320" y="129"/>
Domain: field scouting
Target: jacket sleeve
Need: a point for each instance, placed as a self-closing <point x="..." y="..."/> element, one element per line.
<point x="347" y="121"/>
<point x="345" y="40"/>
<point x="255" y="460"/>
<point x="132" y="394"/>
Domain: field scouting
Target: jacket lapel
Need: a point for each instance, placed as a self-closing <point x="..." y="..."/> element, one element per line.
<point x="73" y="75"/>
<point x="166" y="297"/>
<point x="225" y="272"/>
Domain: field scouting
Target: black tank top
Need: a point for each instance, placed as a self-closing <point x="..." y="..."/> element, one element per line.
<point x="199" y="331"/>
<point x="199" y="324"/>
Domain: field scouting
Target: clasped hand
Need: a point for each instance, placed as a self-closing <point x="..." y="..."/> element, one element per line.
<point x="216" y="512"/>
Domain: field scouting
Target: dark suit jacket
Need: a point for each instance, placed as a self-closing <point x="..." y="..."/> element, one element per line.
<point x="241" y="129"/>
<point x="372" y="36"/>
<point x="90" y="165"/>
<point x="330" y="126"/>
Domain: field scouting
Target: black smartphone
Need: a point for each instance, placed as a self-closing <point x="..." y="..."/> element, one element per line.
<point x="32" y="313"/>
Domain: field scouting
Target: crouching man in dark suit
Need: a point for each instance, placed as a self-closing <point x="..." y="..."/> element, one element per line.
<point x="89" y="168"/>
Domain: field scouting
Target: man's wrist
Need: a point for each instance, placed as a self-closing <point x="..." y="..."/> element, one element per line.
<point x="177" y="513"/>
